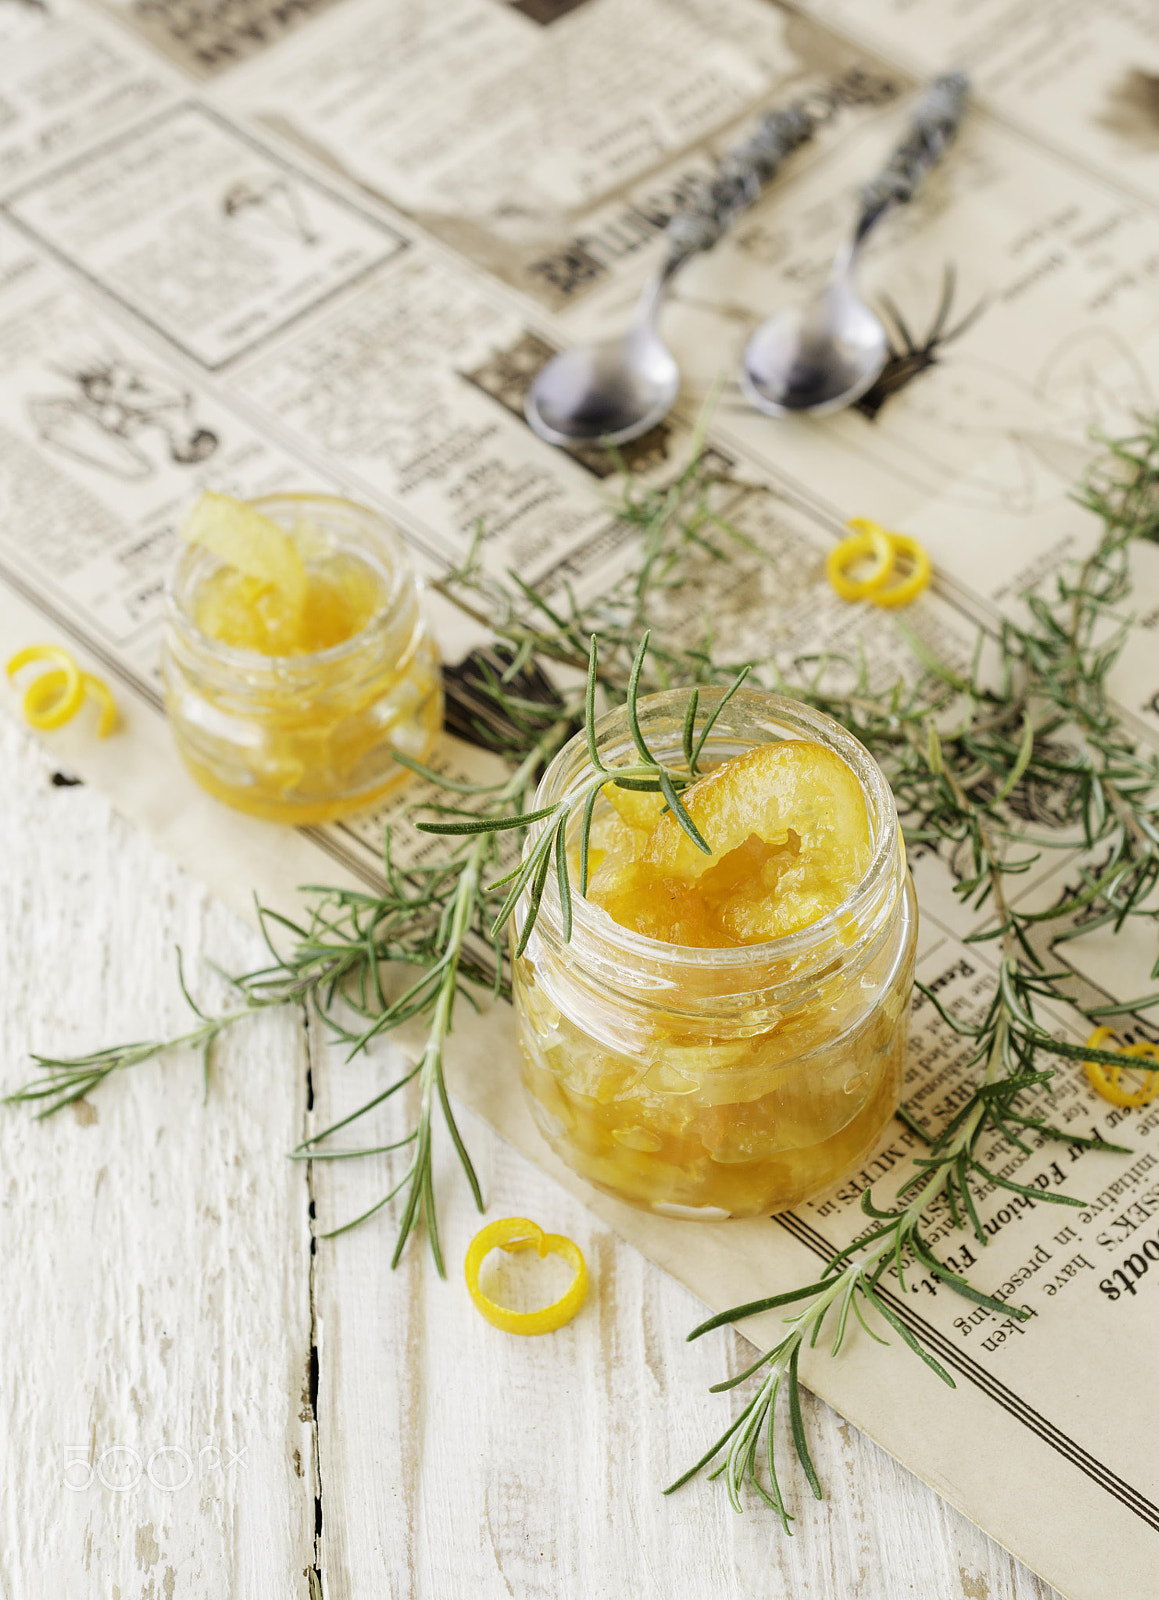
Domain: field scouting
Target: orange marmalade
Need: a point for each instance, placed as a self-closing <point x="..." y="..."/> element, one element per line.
<point x="298" y="660"/>
<point x="724" y="1034"/>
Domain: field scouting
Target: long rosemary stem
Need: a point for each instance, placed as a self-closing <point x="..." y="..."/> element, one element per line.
<point x="431" y="1076"/>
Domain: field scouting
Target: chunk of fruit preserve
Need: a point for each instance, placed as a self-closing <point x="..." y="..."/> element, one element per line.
<point x="341" y="595"/>
<point x="790" y="840"/>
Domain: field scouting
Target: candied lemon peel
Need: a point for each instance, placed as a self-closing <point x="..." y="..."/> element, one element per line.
<point x="246" y="539"/>
<point x="277" y="593"/>
<point x="518" y="1233"/>
<point x="241" y="611"/>
<point x="1104" y="1078"/>
<point x="869" y="539"/>
<point x="790" y="839"/>
<point x="54" y="697"/>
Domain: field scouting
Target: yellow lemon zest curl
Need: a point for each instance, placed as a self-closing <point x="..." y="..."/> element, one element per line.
<point x="1104" y="1079"/>
<point x="885" y="549"/>
<point x="517" y="1233"/>
<point x="54" y="697"/>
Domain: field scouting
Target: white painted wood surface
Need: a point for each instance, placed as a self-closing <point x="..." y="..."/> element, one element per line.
<point x="161" y="1306"/>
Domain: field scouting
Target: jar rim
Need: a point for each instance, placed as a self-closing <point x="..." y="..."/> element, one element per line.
<point x="787" y="949"/>
<point x="399" y="570"/>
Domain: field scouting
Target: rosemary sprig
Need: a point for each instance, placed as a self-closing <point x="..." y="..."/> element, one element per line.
<point x="439" y="918"/>
<point x="436" y="919"/>
<point x="549" y="847"/>
<point x="851" y="1280"/>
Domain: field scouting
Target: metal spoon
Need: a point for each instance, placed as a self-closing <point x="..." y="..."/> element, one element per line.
<point x="825" y="355"/>
<point x="616" y="390"/>
<point x="613" y="391"/>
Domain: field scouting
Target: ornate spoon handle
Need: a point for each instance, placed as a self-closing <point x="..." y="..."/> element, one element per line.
<point x="742" y="174"/>
<point x="935" y="122"/>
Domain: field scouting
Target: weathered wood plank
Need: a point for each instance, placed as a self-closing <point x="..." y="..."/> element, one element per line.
<point x="155" y="1314"/>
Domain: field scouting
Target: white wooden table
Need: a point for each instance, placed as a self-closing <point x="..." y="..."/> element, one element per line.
<point x="203" y="1400"/>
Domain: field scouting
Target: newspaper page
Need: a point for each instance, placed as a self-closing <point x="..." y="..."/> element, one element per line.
<point x="326" y="271"/>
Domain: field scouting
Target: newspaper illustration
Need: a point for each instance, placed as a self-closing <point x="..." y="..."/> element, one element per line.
<point x="326" y="270"/>
<point x="109" y="404"/>
<point x="206" y="236"/>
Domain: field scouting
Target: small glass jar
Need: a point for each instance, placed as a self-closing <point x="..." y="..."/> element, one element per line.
<point x="715" y="1083"/>
<point x="305" y="738"/>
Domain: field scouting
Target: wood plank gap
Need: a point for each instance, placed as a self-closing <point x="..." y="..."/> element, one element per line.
<point x="310" y="1022"/>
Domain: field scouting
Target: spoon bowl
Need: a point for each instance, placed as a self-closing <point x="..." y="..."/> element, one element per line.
<point x="825" y="356"/>
<point x="604" y="393"/>
<point x="817" y="359"/>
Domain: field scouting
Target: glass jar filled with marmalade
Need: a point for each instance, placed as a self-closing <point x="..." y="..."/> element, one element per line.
<point x="724" y="1034"/>
<point x="288" y="698"/>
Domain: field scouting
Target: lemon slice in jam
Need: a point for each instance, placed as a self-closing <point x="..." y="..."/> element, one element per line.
<point x="789" y="833"/>
<point x="790" y="841"/>
<point x="251" y="543"/>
